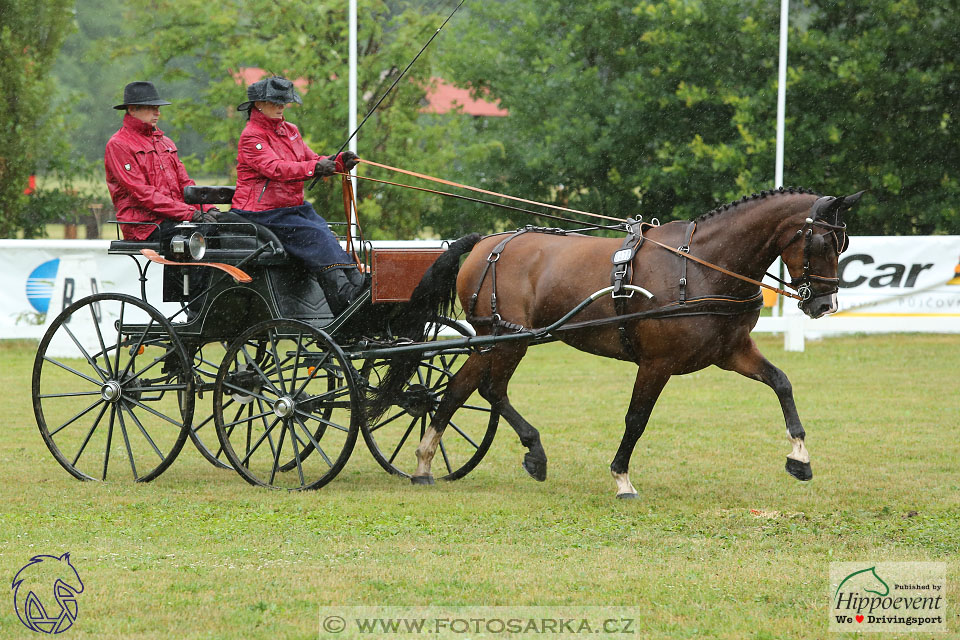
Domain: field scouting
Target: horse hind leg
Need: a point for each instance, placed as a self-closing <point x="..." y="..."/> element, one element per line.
<point x="493" y="388"/>
<point x="751" y="364"/>
<point x="461" y="386"/>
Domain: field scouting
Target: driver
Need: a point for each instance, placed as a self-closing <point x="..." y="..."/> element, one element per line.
<point x="273" y="162"/>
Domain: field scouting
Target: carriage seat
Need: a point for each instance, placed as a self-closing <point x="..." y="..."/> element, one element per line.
<point x="208" y="195"/>
<point x="236" y="237"/>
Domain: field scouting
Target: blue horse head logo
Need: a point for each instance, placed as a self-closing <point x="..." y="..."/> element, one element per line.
<point x="45" y="593"/>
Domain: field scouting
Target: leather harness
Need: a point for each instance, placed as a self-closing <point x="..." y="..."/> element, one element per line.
<point x="621" y="274"/>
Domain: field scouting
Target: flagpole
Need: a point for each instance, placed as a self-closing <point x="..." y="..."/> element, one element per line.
<point x="781" y="117"/>
<point x="352" y="103"/>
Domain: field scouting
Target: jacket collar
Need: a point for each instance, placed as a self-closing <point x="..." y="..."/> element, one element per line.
<point x="140" y="127"/>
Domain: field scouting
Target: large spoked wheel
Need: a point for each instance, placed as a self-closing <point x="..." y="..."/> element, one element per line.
<point x="394" y="438"/>
<point x="112" y="389"/>
<point x="203" y="432"/>
<point x="301" y="410"/>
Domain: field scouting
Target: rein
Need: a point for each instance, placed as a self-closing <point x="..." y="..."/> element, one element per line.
<point x="484" y="191"/>
<point x="684" y="254"/>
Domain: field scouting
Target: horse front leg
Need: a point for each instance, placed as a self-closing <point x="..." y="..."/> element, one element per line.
<point x="750" y="362"/>
<point x="646" y="389"/>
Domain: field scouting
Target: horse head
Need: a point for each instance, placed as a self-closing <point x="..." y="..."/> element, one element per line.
<point x="812" y="256"/>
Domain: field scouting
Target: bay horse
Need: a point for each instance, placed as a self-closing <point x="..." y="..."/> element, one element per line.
<point x="697" y="316"/>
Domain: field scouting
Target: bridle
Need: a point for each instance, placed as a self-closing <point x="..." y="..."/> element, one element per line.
<point x="803" y="284"/>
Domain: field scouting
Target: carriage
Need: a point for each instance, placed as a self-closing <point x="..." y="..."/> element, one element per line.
<point x="262" y="377"/>
<point x="254" y="368"/>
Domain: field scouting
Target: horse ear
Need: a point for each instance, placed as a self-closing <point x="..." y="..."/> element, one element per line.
<point x="66" y="557"/>
<point x="851" y="200"/>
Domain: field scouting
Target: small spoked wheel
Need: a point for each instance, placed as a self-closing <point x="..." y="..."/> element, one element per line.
<point x="394" y="438"/>
<point x="294" y="417"/>
<point x="112" y="389"/>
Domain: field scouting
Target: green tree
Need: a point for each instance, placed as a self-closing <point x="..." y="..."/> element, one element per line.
<point x="873" y="105"/>
<point x="622" y="108"/>
<point x="211" y="41"/>
<point x="668" y="108"/>
<point x="89" y="71"/>
<point x="32" y="134"/>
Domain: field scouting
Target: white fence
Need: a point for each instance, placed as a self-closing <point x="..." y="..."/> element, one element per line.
<point x="887" y="284"/>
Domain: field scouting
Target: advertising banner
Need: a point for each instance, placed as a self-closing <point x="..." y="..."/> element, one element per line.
<point x="895" y="283"/>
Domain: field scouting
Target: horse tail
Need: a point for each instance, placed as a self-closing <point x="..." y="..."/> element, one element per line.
<point x="432" y="299"/>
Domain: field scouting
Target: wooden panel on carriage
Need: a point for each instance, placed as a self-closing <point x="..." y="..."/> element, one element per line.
<point x="396" y="272"/>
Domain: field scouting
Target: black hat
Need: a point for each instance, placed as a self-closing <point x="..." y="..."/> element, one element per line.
<point x="143" y="93"/>
<point x="275" y="89"/>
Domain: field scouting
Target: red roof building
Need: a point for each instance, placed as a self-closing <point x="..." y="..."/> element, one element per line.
<point x="443" y="98"/>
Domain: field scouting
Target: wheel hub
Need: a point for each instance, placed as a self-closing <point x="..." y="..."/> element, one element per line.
<point x="247" y="378"/>
<point x="418" y="400"/>
<point x="284" y="407"/>
<point x="110" y="391"/>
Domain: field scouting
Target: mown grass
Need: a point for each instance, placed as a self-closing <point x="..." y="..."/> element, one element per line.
<point x="722" y="543"/>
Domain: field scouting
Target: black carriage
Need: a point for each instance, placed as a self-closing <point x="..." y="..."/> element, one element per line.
<point x="253" y="367"/>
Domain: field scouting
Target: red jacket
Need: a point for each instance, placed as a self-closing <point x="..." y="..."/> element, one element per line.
<point x="145" y="178"/>
<point x="273" y="162"/>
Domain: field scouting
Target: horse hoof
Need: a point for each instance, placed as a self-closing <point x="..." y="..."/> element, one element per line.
<point x="536" y="467"/>
<point x="799" y="470"/>
<point x="627" y="496"/>
<point x="421" y="480"/>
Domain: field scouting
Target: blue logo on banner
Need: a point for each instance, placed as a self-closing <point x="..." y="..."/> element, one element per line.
<point x="45" y="594"/>
<point x="40" y="285"/>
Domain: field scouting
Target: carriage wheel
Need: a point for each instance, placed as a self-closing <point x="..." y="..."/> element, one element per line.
<point x="203" y="433"/>
<point x="112" y="389"/>
<point x="300" y="399"/>
<point x="468" y="435"/>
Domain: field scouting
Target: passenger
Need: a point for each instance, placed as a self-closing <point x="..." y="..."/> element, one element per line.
<point x="146" y="180"/>
<point x="273" y="162"/>
<point x="144" y="175"/>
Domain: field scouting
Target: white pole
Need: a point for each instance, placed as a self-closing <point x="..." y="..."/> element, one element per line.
<point x="352" y="103"/>
<point x="782" y="90"/>
<point x="793" y="331"/>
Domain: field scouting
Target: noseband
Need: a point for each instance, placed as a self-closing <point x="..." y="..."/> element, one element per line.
<point x="803" y="284"/>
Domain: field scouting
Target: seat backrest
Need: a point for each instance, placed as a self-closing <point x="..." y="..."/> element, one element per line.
<point x="196" y="194"/>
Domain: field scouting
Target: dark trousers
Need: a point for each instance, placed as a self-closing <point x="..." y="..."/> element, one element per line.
<point x="304" y="234"/>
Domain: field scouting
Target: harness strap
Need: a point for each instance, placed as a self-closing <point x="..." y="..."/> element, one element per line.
<point x="684" y="252"/>
<point x="494" y="318"/>
<point x="621" y="275"/>
<point x="699" y="306"/>
<point x="726" y="272"/>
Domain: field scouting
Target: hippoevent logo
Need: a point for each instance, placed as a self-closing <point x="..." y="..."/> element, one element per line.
<point x="45" y="594"/>
<point x="888" y="596"/>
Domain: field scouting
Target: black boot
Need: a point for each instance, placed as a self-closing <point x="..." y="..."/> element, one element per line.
<point x="341" y="287"/>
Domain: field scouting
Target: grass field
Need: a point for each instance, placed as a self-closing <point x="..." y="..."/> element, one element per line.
<point x="721" y="544"/>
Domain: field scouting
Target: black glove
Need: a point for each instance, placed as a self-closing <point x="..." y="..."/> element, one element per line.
<point x="346" y="161"/>
<point x="325" y="167"/>
<point x="205" y="217"/>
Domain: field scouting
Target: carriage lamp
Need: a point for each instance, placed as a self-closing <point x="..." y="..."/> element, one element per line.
<point x="193" y="246"/>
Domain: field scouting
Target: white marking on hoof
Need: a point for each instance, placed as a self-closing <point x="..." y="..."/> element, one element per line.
<point x="799" y="452"/>
<point x="426" y="450"/>
<point x="623" y="484"/>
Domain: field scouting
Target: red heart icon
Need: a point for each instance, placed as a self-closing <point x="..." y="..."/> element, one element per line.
<point x="859" y="618"/>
